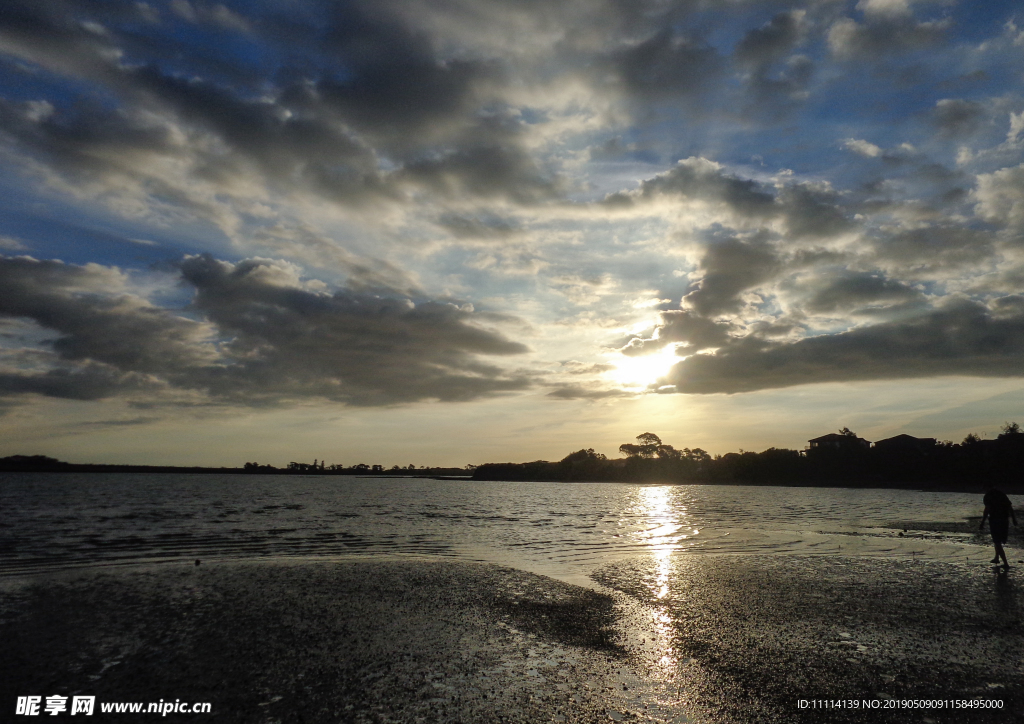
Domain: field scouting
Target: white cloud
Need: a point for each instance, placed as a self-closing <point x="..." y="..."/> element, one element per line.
<point x="863" y="148"/>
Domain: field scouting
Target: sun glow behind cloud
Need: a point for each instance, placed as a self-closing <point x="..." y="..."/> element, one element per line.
<point x="643" y="370"/>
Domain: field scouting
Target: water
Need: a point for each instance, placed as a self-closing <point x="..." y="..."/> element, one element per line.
<point x="565" y="530"/>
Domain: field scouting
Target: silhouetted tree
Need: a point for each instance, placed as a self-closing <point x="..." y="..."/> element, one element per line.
<point x="1010" y="429"/>
<point x="583" y="455"/>
<point x="697" y="455"/>
<point x="667" y="452"/>
<point x="649" y="443"/>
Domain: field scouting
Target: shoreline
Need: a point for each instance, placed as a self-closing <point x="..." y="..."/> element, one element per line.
<point x="974" y="489"/>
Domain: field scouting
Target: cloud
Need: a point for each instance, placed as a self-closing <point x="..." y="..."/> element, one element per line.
<point x="584" y="392"/>
<point x="125" y="422"/>
<point x="575" y="367"/>
<point x="1000" y="196"/>
<point x="730" y="267"/>
<point x="776" y="84"/>
<point x="218" y="14"/>
<point x="859" y="293"/>
<point x="263" y="338"/>
<point x="805" y="210"/>
<point x="885" y="8"/>
<point x="357" y="348"/>
<point x="771" y="41"/>
<point x="97" y="319"/>
<point x="883" y="35"/>
<point x="304" y="242"/>
<point x="934" y="250"/>
<point x="85" y="382"/>
<point x="956" y="117"/>
<point x="490" y="172"/>
<point x="694" y="332"/>
<point x="666" y="65"/>
<point x="699" y="179"/>
<point x="960" y="338"/>
<point x="9" y="243"/>
<point x="863" y="148"/>
<point x="409" y="152"/>
<point x="365" y="110"/>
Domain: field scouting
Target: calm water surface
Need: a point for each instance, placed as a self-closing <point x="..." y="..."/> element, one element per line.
<point x="567" y="530"/>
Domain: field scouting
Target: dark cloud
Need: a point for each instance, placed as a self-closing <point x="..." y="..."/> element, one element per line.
<point x="731" y="266"/>
<point x="84" y="382"/>
<point x="283" y="140"/>
<point x="357" y="348"/>
<point x="489" y="172"/>
<point x="95" y="323"/>
<point x="859" y="293"/>
<point x="775" y="95"/>
<point x="665" y="65"/>
<point x="698" y="179"/>
<point x="812" y="212"/>
<point x="961" y="338"/>
<point x="1011" y="305"/>
<point x="88" y="138"/>
<point x="369" y="82"/>
<point x="771" y="41"/>
<point x="127" y="422"/>
<point x="956" y="117"/>
<point x="479" y="226"/>
<point x="777" y="81"/>
<point x="277" y="341"/>
<point x="582" y="392"/>
<point x="807" y="210"/>
<point x="396" y="87"/>
<point x="935" y="248"/>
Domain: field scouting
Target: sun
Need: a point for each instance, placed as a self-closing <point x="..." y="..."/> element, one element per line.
<point x="643" y="370"/>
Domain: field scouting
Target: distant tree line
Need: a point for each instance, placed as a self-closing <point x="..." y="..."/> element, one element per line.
<point x="44" y="464"/>
<point x="320" y="467"/>
<point x="844" y="458"/>
<point x="841" y="458"/>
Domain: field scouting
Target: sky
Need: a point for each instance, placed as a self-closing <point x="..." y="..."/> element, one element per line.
<point x="448" y="232"/>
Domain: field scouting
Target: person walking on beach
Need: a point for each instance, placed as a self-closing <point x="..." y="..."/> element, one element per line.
<point x="999" y="511"/>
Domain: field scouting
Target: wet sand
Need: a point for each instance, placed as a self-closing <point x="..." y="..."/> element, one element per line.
<point x="385" y="641"/>
<point x="730" y="640"/>
<point x="755" y="634"/>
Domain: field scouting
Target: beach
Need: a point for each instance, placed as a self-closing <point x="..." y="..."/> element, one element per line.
<point x="717" y="639"/>
<point x="317" y="642"/>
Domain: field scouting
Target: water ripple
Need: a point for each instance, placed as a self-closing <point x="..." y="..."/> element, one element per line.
<point x="59" y="521"/>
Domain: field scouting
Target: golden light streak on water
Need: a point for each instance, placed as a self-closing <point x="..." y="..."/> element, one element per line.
<point x="665" y="526"/>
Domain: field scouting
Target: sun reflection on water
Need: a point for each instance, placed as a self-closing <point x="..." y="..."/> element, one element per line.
<point x="666" y="527"/>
